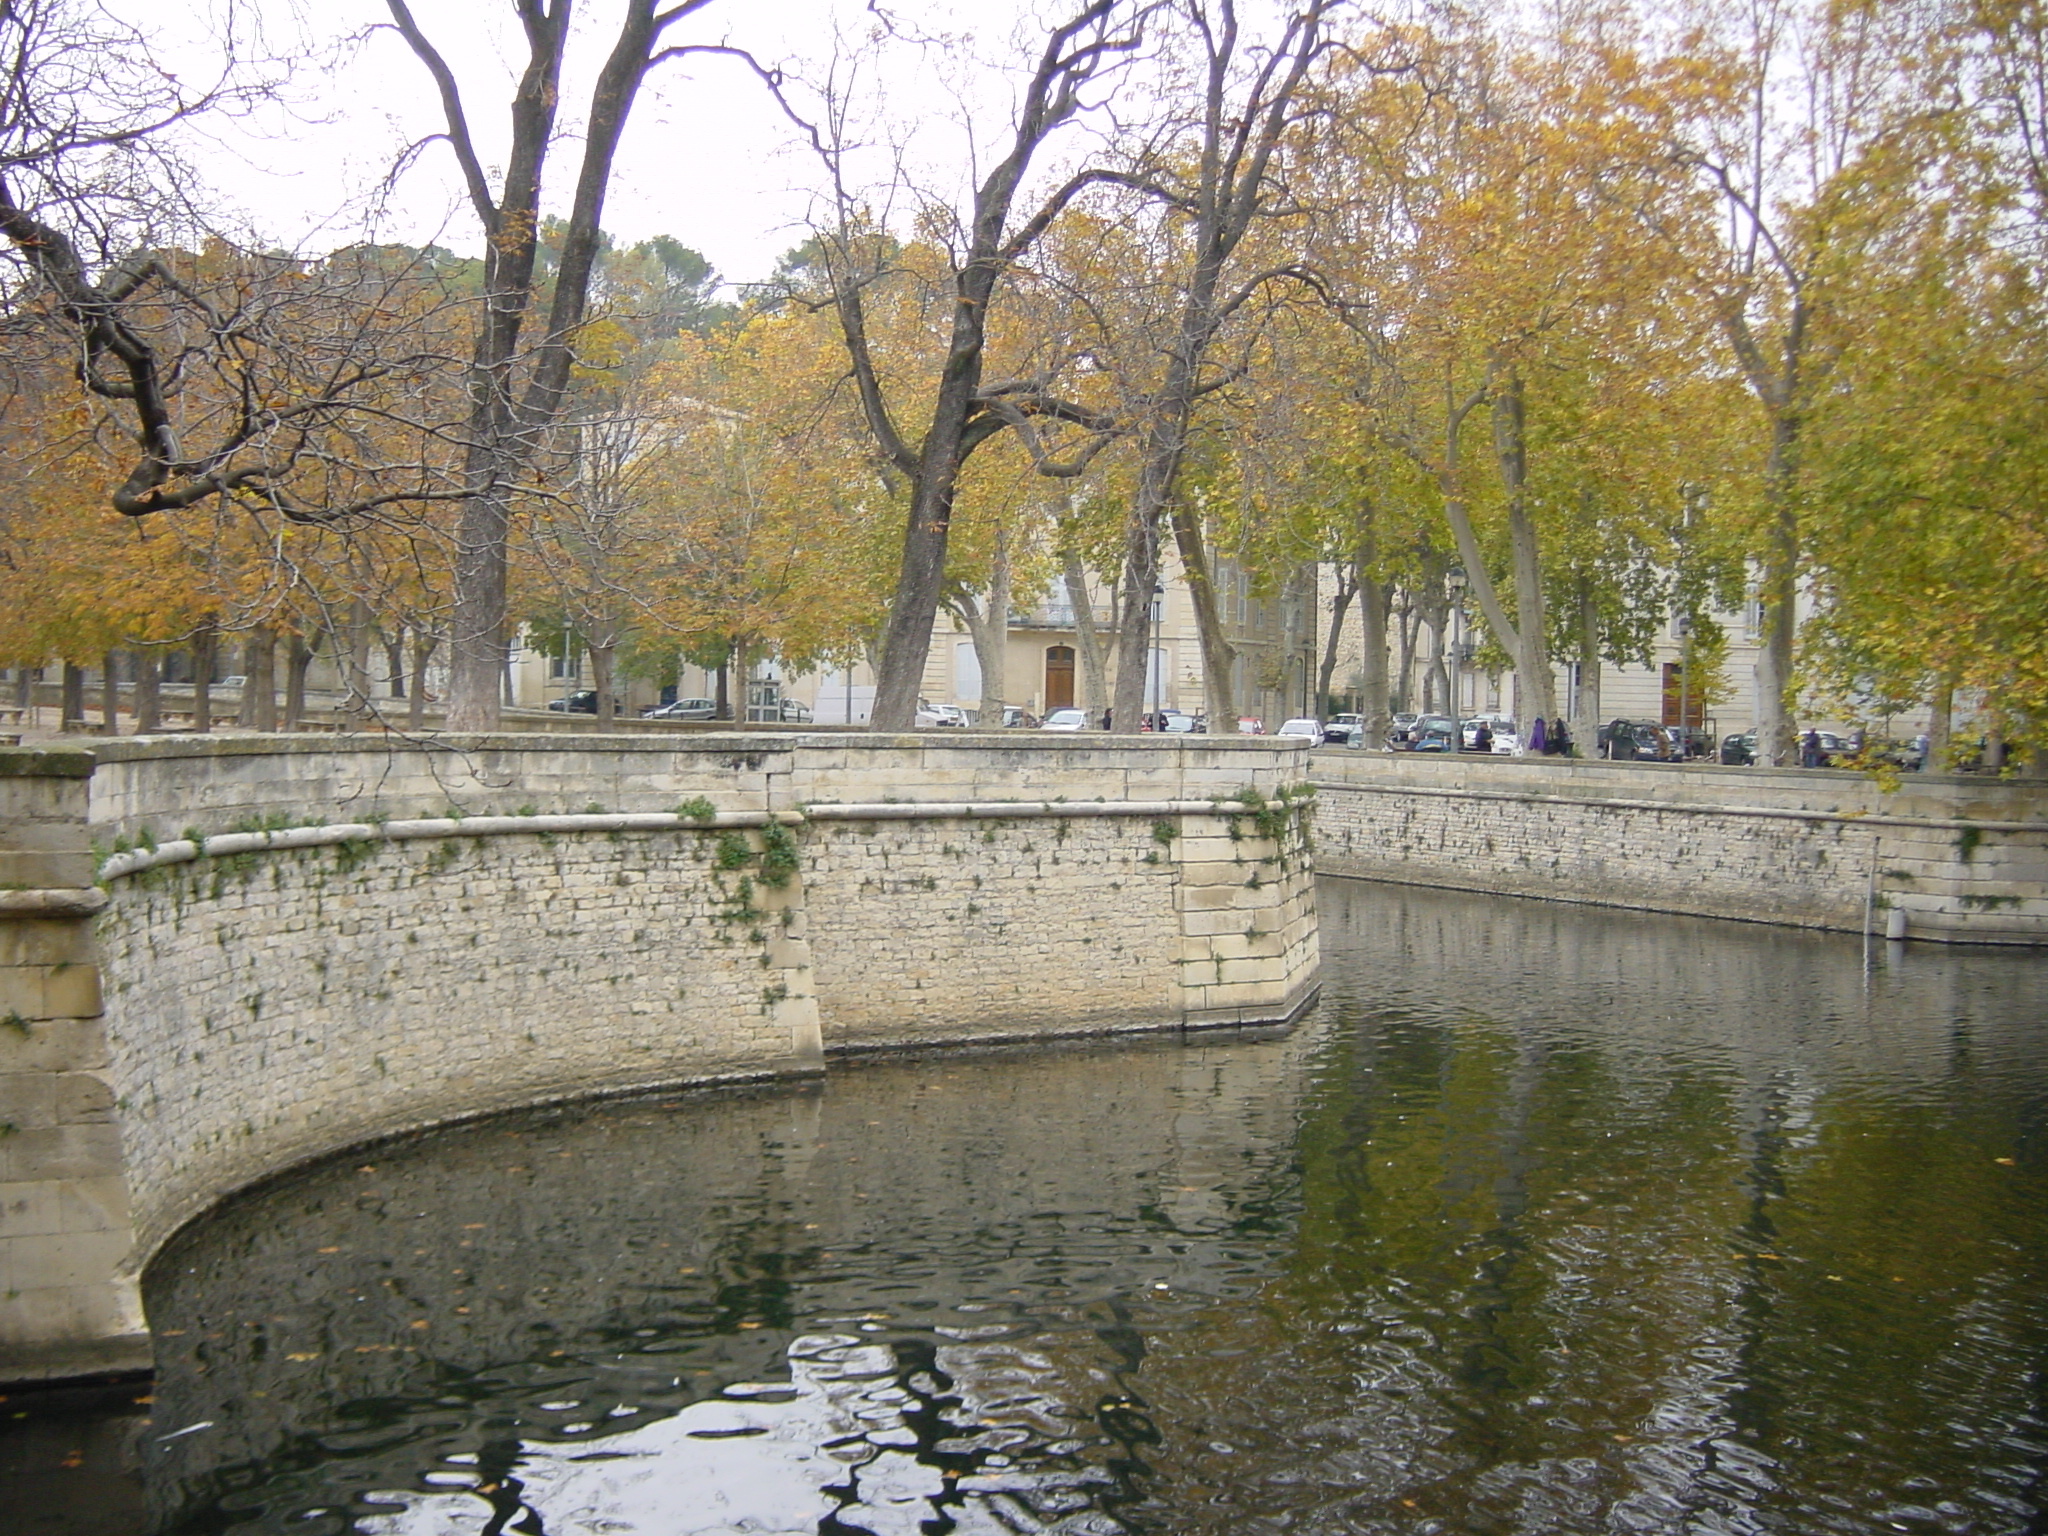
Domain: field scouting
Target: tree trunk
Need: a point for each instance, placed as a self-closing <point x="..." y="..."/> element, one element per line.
<point x="601" y="658"/>
<point x="356" y="666"/>
<point x="110" y="694"/>
<point x="1411" y="628"/>
<point x="204" y="644"/>
<point x="1535" y="688"/>
<point x="416" y="702"/>
<point x="1941" y="725"/>
<point x="1375" y="598"/>
<point x="724" y="687"/>
<point x="71" y="699"/>
<point x="258" y="711"/>
<point x="149" y="705"/>
<point x="1340" y="604"/>
<point x="394" y="661"/>
<point x="1094" y="666"/>
<point x="1777" y="728"/>
<point x="262" y="677"/>
<point x="1586" y="703"/>
<point x="992" y="636"/>
<point x="25" y="679"/>
<point x="298" y="658"/>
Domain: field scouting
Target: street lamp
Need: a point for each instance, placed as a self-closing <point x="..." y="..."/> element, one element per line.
<point x="1454" y="580"/>
<point x="1158" y="659"/>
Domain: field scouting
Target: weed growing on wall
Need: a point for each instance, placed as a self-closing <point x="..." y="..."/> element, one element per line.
<point x="780" y="860"/>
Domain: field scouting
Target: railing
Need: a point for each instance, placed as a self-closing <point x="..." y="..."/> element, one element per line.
<point x="1059" y="615"/>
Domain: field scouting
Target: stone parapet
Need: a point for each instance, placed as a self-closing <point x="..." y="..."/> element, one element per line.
<point x="1958" y="859"/>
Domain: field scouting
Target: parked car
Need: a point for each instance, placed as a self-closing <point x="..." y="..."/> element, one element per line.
<point x="1694" y="744"/>
<point x="1302" y="728"/>
<point x="1501" y="728"/>
<point x="683" y="709"/>
<point x="1178" y="723"/>
<point x="582" y="702"/>
<point x="1066" y="720"/>
<point x="1636" y="741"/>
<point x="950" y="716"/>
<point x="794" y="713"/>
<point x="1250" y="725"/>
<point x="1344" y="729"/>
<point x="1739" y="751"/>
<point x="1017" y="717"/>
<point x="1427" y="733"/>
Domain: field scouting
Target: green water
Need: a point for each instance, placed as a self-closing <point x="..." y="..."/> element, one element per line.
<point x="1549" y="1220"/>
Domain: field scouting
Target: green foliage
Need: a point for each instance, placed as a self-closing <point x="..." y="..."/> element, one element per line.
<point x="732" y="851"/>
<point x="697" y="808"/>
<point x="780" y="860"/>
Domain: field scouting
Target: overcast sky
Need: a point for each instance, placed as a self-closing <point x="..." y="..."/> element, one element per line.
<point x="708" y="158"/>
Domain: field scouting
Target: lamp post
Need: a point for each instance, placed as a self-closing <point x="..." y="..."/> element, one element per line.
<point x="1454" y="582"/>
<point x="1158" y="658"/>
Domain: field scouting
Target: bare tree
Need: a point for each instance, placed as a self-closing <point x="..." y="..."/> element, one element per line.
<point x="1216" y="182"/>
<point x="517" y="392"/>
<point x="965" y="409"/>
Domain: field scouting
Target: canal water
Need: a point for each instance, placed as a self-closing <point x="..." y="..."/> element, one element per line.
<point x="1549" y="1219"/>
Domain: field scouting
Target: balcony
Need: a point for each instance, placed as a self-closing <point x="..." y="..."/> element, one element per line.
<point x="1053" y="614"/>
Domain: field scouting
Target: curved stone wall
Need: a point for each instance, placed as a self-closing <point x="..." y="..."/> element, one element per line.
<point x="307" y="944"/>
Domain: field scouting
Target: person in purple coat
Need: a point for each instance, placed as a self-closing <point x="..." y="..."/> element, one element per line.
<point x="1539" y="738"/>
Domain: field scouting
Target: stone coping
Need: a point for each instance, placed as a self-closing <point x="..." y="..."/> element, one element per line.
<point x="222" y="845"/>
<point x="1688" y="807"/>
<point x="124" y="749"/>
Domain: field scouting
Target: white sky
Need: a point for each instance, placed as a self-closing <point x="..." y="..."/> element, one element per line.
<point x="707" y="157"/>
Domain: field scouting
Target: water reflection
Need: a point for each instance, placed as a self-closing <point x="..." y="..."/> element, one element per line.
<point x="1552" y="1220"/>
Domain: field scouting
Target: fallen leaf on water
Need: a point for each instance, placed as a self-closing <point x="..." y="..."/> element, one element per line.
<point x="472" y="1226"/>
<point x="303" y="1355"/>
<point x="1623" y="1439"/>
<point x="330" y="1250"/>
<point x="420" y="1323"/>
<point x="2004" y="1162"/>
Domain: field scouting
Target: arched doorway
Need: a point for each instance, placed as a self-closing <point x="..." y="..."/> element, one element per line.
<point x="1059" y="677"/>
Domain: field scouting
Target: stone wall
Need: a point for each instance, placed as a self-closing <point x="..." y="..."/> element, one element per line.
<point x="1959" y="859"/>
<point x="313" y="943"/>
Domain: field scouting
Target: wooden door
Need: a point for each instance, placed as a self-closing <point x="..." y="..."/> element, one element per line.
<point x="1059" y="677"/>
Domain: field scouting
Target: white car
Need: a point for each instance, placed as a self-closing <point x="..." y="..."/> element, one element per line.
<point x="929" y="715"/>
<point x="1066" y="720"/>
<point x="1312" y="730"/>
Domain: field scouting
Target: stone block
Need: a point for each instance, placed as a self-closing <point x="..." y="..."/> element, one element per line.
<point x="52" y="1261"/>
<point x="31" y="1208"/>
<point x="61" y="1152"/>
<point x="28" y="1101"/>
<point x="45" y="869"/>
<point x="52" y="1045"/>
<point x="45" y="941"/>
<point x="81" y="1099"/>
<point x="71" y="992"/>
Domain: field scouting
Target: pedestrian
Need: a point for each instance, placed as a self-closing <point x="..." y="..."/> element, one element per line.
<point x="1809" y="750"/>
<point x="1482" y="739"/>
<point x="1560" y="738"/>
<point x="1539" y="738"/>
<point x="1105" y="719"/>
